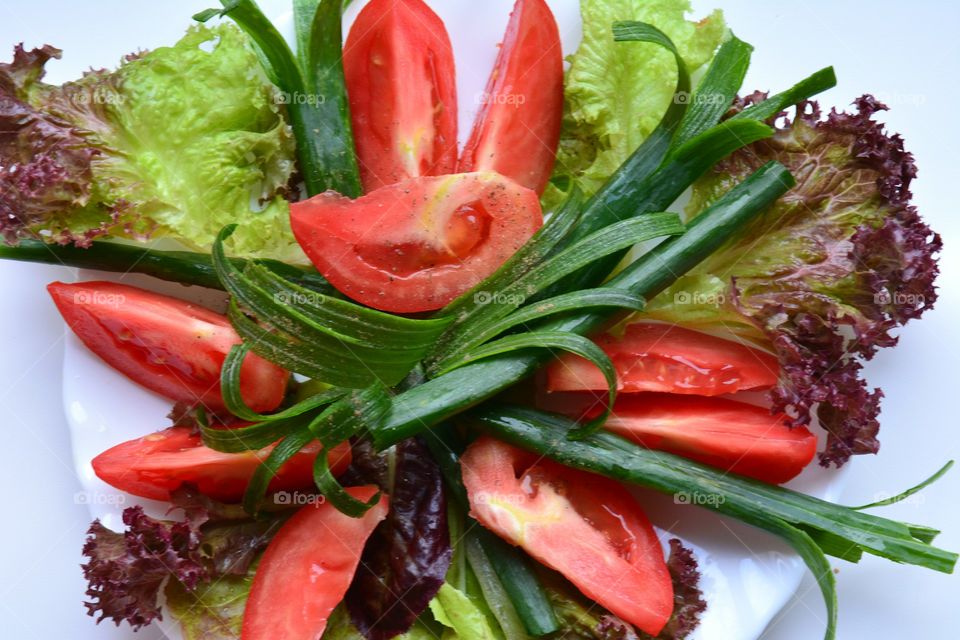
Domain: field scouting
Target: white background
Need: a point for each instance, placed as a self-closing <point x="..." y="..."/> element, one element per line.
<point x="905" y="52"/>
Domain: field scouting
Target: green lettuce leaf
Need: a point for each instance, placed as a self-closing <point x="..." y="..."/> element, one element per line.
<point x="212" y="611"/>
<point x="463" y="619"/>
<point x="339" y="627"/>
<point x="176" y="142"/>
<point x="615" y="93"/>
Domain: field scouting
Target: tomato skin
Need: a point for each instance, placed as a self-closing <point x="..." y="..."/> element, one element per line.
<point x="734" y="436"/>
<point x="401" y="83"/>
<point x="306" y="569"/>
<point x="669" y="358"/>
<point x="418" y="244"/>
<point x="164" y="344"/>
<point x="517" y="130"/>
<point x="585" y="526"/>
<point x="157" y="464"/>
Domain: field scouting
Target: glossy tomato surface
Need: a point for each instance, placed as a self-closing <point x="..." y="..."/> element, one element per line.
<point x="416" y="245"/>
<point x="517" y="130"/>
<point x="662" y="357"/>
<point x="157" y="464"/>
<point x="587" y="527"/>
<point x="401" y="82"/>
<point x="306" y="569"/>
<point x="734" y="436"/>
<point x="167" y="345"/>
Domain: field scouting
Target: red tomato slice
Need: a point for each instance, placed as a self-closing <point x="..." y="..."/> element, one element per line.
<point x="585" y="526"/>
<point x="306" y="569"/>
<point x="517" y="130"/>
<point x="154" y="465"/>
<point x="167" y="345"/>
<point x="669" y="358"/>
<point x="418" y="244"/>
<point x="401" y="82"/>
<point x="734" y="436"/>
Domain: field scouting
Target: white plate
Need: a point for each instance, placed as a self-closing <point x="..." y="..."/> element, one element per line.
<point x="747" y="575"/>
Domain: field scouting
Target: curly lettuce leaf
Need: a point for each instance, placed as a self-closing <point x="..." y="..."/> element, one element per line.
<point x="176" y="142"/>
<point x="615" y="93"/>
<point x="45" y="163"/>
<point x="826" y="275"/>
<point x="126" y="571"/>
<point x="203" y="558"/>
<point x="688" y="597"/>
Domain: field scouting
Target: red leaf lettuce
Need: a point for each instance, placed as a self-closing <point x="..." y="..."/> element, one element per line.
<point x="126" y="571"/>
<point x="827" y="274"/>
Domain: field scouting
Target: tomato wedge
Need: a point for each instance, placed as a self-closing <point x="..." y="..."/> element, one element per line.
<point x="167" y="345"/>
<point x="669" y="358"/>
<point x="154" y="465"/>
<point x="517" y="130"/>
<point x="418" y="244"/>
<point x="585" y="526"/>
<point x="735" y="436"/>
<point x="306" y="569"/>
<point x="401" y="83"/>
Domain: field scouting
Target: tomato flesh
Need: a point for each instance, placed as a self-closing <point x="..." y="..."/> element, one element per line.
<point x="734" y="436"/>
<point x="166" y="345"/>
<point x="157" y="464"/>
<point x="587" y="527"/>
<point x="401" y="82"/>
<point x="306" y="569"/>
<point x="669" y="358"/>
<point x="517" y="130"/>
<point x="418" y="244"/>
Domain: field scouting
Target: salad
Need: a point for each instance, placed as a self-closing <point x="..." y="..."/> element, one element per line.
<point x="460" y="360"/>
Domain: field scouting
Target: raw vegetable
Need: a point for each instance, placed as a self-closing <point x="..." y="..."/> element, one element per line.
<point x="156" y="465"/>
<point x="514" y="571"/>
<point x="812" y="527"/>
<point x="615" y="94"/>
<point x="333" y="340"/>
<point x="330" y="156"/>
<point x="485" y="348"/>
<point x="126" y="572"/>
<point x="401" y="80"/>
<point x="340" y="628"/>
<point x="733" y="436"/>
<point x="404" y="563"/>
<point x="517" y="129"/>
<point x="669" y="358"/>
<point x="472" y="602"/>
<point x="164" y="344"/>
<point x="212" y="611"/>
<point x="312" y="87"/>
<point x="185" y="267"/>
<point x="585" y="620"/>
<point x="177" y="142"/>
<point x="688" y="597"/>
<point x="417" y="244"/>
<point x="451" y="393"/>
<point x="825" y="275"/>
<point x="454" y="609"/>
<point x="584" y="526"/>
<point x="214" y="544"/>
<point x="307" y="568"/>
